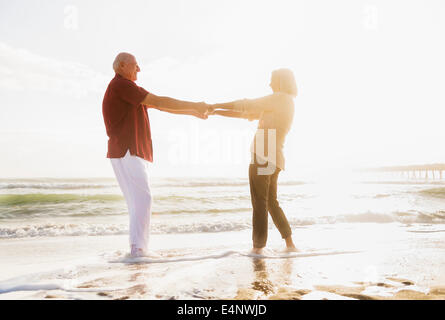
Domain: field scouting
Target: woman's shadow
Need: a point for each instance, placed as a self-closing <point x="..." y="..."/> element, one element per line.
<point x="268" y="281"/>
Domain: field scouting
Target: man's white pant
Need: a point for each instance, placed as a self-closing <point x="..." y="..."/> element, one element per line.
<point x="132" y="176"/>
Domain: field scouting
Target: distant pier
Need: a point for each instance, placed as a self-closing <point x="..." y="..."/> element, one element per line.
<point x="424" y="171"/>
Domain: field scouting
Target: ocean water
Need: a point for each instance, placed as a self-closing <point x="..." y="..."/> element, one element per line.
<point x="80" y="207"/>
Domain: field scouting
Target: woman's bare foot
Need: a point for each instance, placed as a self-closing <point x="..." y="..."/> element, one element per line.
<point x="257" y="251"/>
<point x="290" y="246"/>
<point x="292" y="249"/>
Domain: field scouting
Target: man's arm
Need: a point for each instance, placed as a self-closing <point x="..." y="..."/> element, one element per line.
<point x="185" y="112"/>
<point x="168" y="103"/>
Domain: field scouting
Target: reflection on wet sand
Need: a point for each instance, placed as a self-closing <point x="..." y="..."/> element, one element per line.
<point x="261" y="277"/>
<point x="270" y="281"/>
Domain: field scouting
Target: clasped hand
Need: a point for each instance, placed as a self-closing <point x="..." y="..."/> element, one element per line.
<point x="203" y="110"/>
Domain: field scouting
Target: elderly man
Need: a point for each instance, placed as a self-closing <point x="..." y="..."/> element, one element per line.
<point x="127" y="124"/>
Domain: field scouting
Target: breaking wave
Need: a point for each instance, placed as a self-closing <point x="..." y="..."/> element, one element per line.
<point x="213" y="225"/>
<point x="44" y="198"/>
<point x="434" y="192"/>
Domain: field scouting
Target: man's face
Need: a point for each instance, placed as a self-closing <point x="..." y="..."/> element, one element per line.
<point x="130" y="69"/>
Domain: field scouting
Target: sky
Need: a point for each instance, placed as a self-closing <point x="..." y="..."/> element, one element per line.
<point x="370" y="76"/>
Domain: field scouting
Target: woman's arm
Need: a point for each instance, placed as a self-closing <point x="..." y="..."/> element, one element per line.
<point x="228" y="113"/>
<point x="267" y="103"/>
<point x="225" y="105"/>
<point x="236" y="114"/>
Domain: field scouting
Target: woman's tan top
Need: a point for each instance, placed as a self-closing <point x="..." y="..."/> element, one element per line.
<point x="277" y="112"/>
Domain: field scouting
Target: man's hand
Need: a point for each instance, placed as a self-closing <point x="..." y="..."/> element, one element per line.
<point x="199" y="115"/>
<point x="202" y="108"/>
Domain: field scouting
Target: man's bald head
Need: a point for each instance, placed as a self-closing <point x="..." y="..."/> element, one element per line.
<point x="125" y="64"/>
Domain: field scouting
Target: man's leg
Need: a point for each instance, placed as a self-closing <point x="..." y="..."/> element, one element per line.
<point x="131" y="173"/>
<point x="259" y="185"/>
<point x="123" y="180"/>
<point x="139" y="189"/>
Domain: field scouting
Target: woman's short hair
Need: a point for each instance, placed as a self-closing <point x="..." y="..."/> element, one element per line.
<point x="286" y="80"/>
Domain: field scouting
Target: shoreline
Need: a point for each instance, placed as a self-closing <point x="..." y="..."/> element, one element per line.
<point x="397" y="264"/>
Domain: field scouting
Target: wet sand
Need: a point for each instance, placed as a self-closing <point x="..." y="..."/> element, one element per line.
<point x="335" y="262"/>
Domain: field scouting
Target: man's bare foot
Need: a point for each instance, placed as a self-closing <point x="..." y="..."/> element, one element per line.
<point x="257" y="251"/>
<point x="136" y="252"/>
<point x="152" y="255"/>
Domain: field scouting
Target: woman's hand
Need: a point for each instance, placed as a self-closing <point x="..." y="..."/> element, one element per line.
<point x="211" y="110"/>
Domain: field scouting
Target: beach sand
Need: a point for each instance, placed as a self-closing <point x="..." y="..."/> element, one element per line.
<point x="342" y="261"/>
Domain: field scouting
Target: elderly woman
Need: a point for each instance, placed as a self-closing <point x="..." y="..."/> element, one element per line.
<point x="275" y="114"/>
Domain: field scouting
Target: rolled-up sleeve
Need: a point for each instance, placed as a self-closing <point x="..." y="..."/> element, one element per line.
<point x="266" y="103"/>
<point x="240" y="105"/>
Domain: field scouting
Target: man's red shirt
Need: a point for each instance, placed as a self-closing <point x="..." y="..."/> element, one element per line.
<point x="126" y="119"/>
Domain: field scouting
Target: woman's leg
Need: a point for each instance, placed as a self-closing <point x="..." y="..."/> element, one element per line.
<point x="259" y="187"/>
<point x="277" y="214"/>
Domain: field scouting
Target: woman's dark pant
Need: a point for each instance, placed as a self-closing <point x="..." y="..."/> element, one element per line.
<point x="263" y="193"/>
